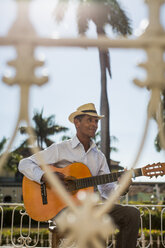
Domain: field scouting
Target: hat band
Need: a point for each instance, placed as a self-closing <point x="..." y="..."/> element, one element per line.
<point x="90" y="111"/>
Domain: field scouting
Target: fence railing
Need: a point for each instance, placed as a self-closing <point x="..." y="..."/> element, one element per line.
<point x="18" y="230"/>
<point x="159" y="240"/>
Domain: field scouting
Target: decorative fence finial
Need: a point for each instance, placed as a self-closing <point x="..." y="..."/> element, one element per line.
<point x="154" y="27"/>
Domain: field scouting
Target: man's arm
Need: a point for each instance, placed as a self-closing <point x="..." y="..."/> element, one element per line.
<point x="30" y="167"/>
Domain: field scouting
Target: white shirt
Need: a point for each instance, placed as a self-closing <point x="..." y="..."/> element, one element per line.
<point x="65" y="153"/>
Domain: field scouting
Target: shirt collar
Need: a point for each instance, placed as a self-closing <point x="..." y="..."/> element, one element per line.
<point x="75" y="142"/>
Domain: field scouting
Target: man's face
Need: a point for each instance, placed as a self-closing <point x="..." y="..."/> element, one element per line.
<point x="87" y="126"/>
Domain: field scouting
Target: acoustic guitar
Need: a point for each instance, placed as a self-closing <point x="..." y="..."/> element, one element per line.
<point x="42" y="204"/>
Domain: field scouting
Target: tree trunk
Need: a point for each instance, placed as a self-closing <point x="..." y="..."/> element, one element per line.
<point x="104" y="109"/>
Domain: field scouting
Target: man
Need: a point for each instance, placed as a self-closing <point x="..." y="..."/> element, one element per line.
<point x="82" y="149"/>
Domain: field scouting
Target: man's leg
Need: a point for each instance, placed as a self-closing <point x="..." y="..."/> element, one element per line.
<point x="127" y="220"/>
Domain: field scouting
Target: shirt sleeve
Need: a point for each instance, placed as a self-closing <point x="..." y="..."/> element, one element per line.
<point x="105" y="189"/>
<point x="30" y="167"/>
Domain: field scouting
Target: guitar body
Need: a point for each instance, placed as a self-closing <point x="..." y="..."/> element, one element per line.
<point x="43" y="212"/>
<point x="32" y="193"/>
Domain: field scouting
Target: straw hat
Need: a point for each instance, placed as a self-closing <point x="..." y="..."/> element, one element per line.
<point x="86" y="109"/>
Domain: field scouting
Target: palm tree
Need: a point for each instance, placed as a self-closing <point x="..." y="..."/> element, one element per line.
<point x="44" y="127"/>
<point x="157" y="141"/>
<point x="101" y="13"/>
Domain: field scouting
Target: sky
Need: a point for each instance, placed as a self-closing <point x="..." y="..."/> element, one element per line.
<point x="74" y="79"/>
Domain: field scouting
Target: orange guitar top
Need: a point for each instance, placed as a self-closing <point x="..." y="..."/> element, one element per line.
<point x="82" y="180"/>
<point x="32" y="193"/>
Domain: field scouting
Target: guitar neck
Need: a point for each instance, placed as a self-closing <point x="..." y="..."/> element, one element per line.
<point x="103" y="179"/>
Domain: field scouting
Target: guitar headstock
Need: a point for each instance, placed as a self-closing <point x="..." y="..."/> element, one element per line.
<point x="152" y="170"/>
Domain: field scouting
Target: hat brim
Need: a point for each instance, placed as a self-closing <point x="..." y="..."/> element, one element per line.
<point x="76" y="113"/>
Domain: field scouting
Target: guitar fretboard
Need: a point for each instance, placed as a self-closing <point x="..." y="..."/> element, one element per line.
<point x="102" y="179"/>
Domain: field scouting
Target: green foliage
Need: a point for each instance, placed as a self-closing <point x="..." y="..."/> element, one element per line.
<point x="155" y="219"/>
<point x="65" y="137"/>
<point x="155" y="215"/>
<point x="7" y="218"/>
<point x="2" y="143"/>
<point x="43" y="236"/>
<point x="13" y="161"/>
<point x="6" y="233"/>
<point x="155" y="234"/>
<point x="157" y="143"/>
<point x="43" y="128"/>
<point x="44" y="232"/>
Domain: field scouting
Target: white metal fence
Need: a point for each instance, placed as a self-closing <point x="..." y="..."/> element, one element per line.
<point x="22" y="232"/>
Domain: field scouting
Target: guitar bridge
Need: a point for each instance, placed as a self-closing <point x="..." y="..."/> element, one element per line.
<point x="44" y="194"/>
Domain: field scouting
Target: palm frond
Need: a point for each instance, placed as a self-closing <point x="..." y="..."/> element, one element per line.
<point x="82" y="18"/>
<point x="114" y="138"/>
<point x="2" y="143"/>
<point x="61" y="9"/>
<point x="65" y="137"/>
<point x="118" y="19"/>
<point x="59" y="129"/>
<point x="48" y="142"/>
<point x="113" y="149"/>
<point x="23" y="130"/>
<point x="157" y="143"/>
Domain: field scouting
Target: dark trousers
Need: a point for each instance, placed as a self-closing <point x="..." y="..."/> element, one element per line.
<point x="127" y="219"/>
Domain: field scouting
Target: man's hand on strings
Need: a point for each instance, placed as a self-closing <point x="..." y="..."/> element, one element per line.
<point x="61" y="177"/>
